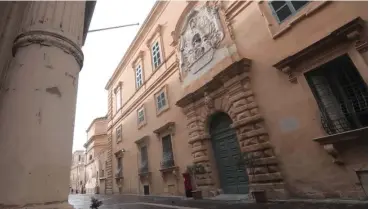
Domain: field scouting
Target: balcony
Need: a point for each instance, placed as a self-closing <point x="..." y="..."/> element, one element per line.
<point x="168" y="161"/>
<point x="119" y="174"/>
<point x="144" y="168"/>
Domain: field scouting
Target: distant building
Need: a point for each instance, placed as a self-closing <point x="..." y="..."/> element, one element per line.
<point x="207" y="83"/>
<point x="77" y="173"/>
<point x="96" y="150"/>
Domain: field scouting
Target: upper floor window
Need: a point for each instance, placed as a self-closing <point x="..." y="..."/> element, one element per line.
<point x="90" y="157"/>
<point x="156" y="59"/>
<point x="141" y="115"/>
<point x="284" y="9"/>
<point x="341" y="94"/>
<point x="79" y="158"/>
<point x="161" y="101"/>
<point x="139" y="77"/>
<point x="118" y="98"/>
<point x="118" y="133"/>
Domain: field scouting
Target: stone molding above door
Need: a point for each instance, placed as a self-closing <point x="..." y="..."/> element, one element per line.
<point x="230" y="92"/>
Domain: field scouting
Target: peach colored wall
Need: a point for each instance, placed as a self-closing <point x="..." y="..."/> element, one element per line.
<point x="308" y="170"/>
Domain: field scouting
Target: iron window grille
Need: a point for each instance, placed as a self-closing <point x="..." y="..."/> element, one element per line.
<point x="168" y="160"/>
<point x="119" y="172"/>
<point x="144" y="167"/>
<point x="161" y="101"/>
<point x="341" y="94"/>
<point x="284" y="9"/>
<point x="156" y="59"/>
<point x="139" y="80"/>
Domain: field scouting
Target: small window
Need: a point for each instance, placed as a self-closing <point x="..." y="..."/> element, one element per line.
<point x="119" y="133"/>
<point x="118" y="98"/>
<point x="139" y="77"/>
<point x="141" y="116"/>
<point x="284" y="9"/>
<point x="161" y="101"/>
<point x="102" y="173"/>
<point x="90" y="157"/>
<point x="341" y="94"/>
<point x="79" y="158"/>
<point x="156" y="59"/>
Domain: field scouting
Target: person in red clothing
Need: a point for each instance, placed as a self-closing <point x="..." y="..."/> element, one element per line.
<point x="187" y="184"/>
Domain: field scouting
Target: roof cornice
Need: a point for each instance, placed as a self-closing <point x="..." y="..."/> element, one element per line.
<point x="139" y="38"/>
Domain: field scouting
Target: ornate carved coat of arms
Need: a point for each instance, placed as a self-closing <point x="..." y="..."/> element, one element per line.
<point x="200" y="36"/>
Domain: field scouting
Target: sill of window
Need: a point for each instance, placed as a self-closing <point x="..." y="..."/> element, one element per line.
<point x="353" y="135"/>
<point x="102" y="178"/>
<point x="169" y="169"/>
<point x="158" y="67"/>
<point x="159" y="112"/>
<point x="138" y="88"/>
<point x="119" y="141"/>
<point x="144" y="173"/>
<point x="119" y="177"/>
<point x="140" y="125"/>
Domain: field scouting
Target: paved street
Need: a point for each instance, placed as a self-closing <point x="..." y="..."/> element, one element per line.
<point x="145" y="202"/>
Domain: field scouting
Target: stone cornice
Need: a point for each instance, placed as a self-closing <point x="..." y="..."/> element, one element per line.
<point x="154" y="14"/>
<point x="95" y="120"/>
<point x="349" y="32"/>
<point x="218" y="80"/>
<point x="89" y="10"/>
<point x="47" y="38"/>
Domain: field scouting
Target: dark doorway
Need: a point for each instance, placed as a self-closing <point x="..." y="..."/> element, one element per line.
<point x="146" y="190"/>
<point x="232" y="175"/>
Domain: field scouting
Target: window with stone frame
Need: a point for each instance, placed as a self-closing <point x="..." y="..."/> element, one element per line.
<point x="284" y="9"/>
<point x="141" y="116"/>
<point x="341" y="94"/>
<point x="155" y="53"/>
<point x="139" y="76"/>
<point x="161" y="101"/>
<point x="168" y="159"/>
<point x="118" y="98"/>
<point x="118" y="133"/>
<point x="144" y="167"/>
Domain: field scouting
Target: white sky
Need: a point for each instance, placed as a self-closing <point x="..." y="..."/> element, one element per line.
<point x="103" y="51"/>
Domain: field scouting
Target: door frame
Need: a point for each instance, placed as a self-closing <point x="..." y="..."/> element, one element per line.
<point x="230" y="92"/>
<point x="213" y="117"/>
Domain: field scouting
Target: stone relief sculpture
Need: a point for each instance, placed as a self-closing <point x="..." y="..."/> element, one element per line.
<point x="200" y="36"/>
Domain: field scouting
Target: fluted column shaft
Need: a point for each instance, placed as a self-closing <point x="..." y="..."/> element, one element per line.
<point x="38" y="108"/>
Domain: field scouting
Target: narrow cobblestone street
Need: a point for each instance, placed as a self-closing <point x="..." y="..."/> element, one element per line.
<point x="146" y="202"/>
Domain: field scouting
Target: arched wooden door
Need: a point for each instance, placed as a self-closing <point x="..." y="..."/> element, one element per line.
<point x="233" y="177"/>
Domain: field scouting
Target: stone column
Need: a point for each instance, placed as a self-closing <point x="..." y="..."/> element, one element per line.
<point x="38" y="108"/>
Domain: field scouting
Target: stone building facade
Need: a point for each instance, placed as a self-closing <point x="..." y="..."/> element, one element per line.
<point x="77" y="173"/>
<point x="244" y="90"/>
<point x="96" y="149"/>
<point x="40" y="59"/>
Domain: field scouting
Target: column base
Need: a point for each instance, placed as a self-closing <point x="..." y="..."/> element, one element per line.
<point x="64" y="205"/>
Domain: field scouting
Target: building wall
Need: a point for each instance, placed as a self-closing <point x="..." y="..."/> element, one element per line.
<point x="250" y="30"/>
<point x="77" y="173"/>
<point x="95" y="153"/>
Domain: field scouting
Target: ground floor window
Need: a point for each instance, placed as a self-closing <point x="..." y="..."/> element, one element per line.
<point x="341" y="94"/>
